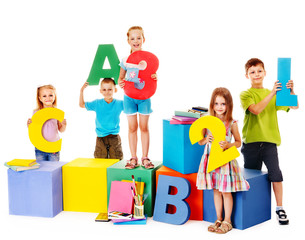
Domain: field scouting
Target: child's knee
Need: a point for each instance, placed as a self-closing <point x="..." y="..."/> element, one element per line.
<point x="227" y="194"/>
<point x="115" y="149"/>
<point x="144" y="128"/>
<point x="133" y="128"/>
<point x="116" y="153"/>
<point x="100" y="148"/>
<point x="98" y="153"/>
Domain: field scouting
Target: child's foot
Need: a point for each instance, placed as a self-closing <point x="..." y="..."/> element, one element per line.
<point x="282" y="217"/>
<point x="132" y="163"/>
<point x="224" y="227"/>
<point x="215" y="226"/>
<point x="147" y="163"/>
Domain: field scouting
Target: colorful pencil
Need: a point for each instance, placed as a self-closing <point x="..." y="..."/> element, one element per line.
<point x="134" y="197"/>
<point x="135" y="188"/>
<point x="134" y="184"/>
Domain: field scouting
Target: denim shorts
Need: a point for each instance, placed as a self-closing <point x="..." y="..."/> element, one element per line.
<point x="257" y="153"/>
<point x="44" y="156"/>
<point x="132" y="106"/>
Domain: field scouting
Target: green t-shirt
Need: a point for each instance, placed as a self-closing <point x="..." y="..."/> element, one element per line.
<point x="264" y="126"/>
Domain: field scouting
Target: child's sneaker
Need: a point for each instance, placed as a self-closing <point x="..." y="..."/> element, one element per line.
<point x="282" y="217"/>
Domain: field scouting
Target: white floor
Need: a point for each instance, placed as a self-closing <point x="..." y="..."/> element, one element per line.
<point x="74" y="225"/>
<point x="82" y="226"/>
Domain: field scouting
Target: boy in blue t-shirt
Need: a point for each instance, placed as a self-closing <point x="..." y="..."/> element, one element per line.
<point x="108" y="111"/>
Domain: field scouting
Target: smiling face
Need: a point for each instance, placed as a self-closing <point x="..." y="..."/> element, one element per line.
<point x="256" y="74"/>
<point x="107" y="90"/>
<point x="135" y="40"/>
<point x="47" y="97"/>
<point x="220" y="106"/>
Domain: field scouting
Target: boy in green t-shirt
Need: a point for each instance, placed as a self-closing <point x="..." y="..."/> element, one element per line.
<point x="260" y="132"/>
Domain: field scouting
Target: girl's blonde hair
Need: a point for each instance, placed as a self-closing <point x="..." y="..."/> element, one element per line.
<point x="225" y="93"/>
<point x="39" y="103"/>
<point x="135" y="28"/>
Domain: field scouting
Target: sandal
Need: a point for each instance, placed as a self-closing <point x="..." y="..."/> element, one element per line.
<point x="215" y="226"/>
<point x="224" y="227"/>
<point x="148" y="164"/>
<point x="132" y="163"/>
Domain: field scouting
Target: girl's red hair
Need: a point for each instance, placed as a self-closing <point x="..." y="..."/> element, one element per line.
<point x="225" y="93"/>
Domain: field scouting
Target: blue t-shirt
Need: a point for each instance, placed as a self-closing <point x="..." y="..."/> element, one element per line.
<point x="107" y="116"/>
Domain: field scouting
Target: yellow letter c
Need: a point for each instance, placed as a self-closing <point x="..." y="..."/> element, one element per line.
<point x="35" y="129"/>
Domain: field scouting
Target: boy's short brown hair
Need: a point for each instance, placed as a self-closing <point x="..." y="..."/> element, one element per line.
<point x="108" y="80"/>
<point x="253" y="62"/>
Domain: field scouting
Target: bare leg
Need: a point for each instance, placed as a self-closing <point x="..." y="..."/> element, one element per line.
<point x="228" y="206"/>
<point x="278" y="192"/>
<point x="143" y="124"/>
<point x="218" y="202"/>
<point x="132" y="134"/>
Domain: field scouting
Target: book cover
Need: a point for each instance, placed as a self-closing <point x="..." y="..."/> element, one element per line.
<point x="203" y="109"/>
<point x="22" y="162"/>
<point x="102" y="217"/>
<point x="132" y="221"/>
<point x="174" y="121"/>
<point x="21" y="168"/>
<point x="119" y="215"/>
<point x="187" y="114"/>
<point x="120" y="198"/>
<point x="201" y="113"/>
<point x="184" y="119"/>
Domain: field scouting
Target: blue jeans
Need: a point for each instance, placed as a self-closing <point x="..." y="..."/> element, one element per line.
<point x="44" y="156"/>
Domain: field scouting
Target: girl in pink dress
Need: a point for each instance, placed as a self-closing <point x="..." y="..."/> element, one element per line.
<point x="46" y="97"/>
<point x="227" y="178"/>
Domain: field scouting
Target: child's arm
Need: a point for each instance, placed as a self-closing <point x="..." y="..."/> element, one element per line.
<point x="237" y="143"/>
<point x="62" y="125"/>
<point x="29" y="122"/>
<point x="121" y="80"/>
<point x="81" y="96"/>
<point x="259" y="107"/>
<point x="290" y="86"/>
<point x="205" y="140"/>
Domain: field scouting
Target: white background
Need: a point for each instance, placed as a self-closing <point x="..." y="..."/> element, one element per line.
<point x="201" y="45"/>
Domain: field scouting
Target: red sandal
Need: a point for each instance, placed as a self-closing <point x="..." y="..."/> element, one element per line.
<point x="132" y="163"/>
<point x="148" y="164"/>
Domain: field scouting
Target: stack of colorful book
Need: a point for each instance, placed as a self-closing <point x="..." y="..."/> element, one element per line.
<point x="22" y="164"/>
<point x="126" y="202"/>
<point x="189" y="116"/>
